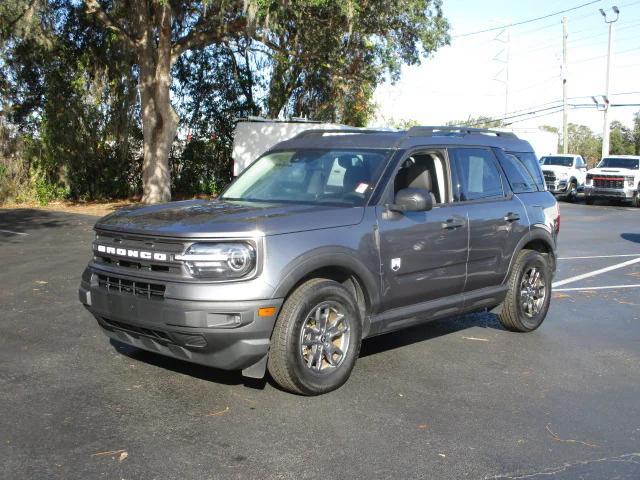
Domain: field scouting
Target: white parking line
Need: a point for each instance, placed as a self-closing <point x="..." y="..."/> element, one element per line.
<point x="596" y="272"/>
<point x="601" y="256"/>
<point x="14" y="233"/>
<point x="575" y="289"/>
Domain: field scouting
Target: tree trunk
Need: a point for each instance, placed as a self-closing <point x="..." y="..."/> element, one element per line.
<point x="159" y="119"/>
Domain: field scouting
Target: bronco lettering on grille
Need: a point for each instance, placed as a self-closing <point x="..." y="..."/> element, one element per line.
<point x="126" y="252"/>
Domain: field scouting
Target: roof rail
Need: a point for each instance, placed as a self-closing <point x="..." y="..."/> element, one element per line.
<point x="432" y="131"/>
<point x="320" y="131"/>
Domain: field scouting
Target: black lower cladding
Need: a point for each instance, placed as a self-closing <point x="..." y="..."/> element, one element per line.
<point x="187" y="340"/>
<point x="195" y="331"/>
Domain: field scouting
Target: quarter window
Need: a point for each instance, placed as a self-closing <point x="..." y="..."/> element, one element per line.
<point x="476" y="175"/>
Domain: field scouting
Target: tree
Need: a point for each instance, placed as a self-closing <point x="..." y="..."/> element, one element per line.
<point x="157" y="33"/>
<point x="636" y="133"/>
<point x="621" y="139"/>
<point x="582" y="141"/>
<point x="478" y="122"/>
<point x="319" y="49"/>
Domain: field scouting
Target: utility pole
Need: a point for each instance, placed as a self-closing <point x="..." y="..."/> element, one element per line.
<point x="565" y="106"/>
<point x="605" y="129"/>
<point x="503" y="57"/>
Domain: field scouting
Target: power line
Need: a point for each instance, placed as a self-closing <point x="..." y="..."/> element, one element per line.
<point x="525" y="21"/>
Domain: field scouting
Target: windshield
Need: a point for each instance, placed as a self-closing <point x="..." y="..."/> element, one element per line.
<point x="340" y="177"/>
<point x="631" y="163"/>
<point x="562" y="161"/>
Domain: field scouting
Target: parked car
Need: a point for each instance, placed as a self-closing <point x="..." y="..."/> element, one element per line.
<point x="564" y="175"/>
<point x="329" y="238"/>
<point x="616" y="177"/>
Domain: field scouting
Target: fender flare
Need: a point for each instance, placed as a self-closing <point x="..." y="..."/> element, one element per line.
<point x="537" y="232"/>
<point x="327" y="257"/>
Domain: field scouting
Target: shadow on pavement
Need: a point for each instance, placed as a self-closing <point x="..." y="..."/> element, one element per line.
<point x="371" y="346"/>
<point x="23" y="220"/>
<point x="632" y="237"/>
<point x="428" y="331"/>
<point x="194" y="370"/>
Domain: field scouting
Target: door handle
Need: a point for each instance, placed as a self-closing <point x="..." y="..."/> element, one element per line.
<point x="511" y="217"/>
<point x="452" y="224"/>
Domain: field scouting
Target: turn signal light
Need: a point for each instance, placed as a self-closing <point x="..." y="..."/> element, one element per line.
<point x="267" y="311"/>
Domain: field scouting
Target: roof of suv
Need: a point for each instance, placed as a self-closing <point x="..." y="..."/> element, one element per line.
<point x="416" y="136"/>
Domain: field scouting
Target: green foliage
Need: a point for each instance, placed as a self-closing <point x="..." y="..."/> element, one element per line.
<point x="621" y="140"/>
<point x="583" y="141"/>
<point x="69" y="86"/>
<point x="46" y="192"/>
<point x="478" y="122"/>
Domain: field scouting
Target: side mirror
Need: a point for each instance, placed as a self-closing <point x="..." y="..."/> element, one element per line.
<point x="412" y="200"/>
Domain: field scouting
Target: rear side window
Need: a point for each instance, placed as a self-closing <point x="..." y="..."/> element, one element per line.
<point x="531" y="163"/>
<point x="519" y="177"/>
<point x="476" y="175"/>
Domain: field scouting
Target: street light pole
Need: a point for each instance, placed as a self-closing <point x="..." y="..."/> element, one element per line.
<point x="605" y="128"/>
<point x="565" y="106"/>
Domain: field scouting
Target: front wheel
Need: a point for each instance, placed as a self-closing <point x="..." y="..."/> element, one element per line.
<point x="589" y="200"/>
<point x="636" y="199"/>
<point x="316" y="340"/>
<point x="572" y="192"/>
<point x="527" y="301"/>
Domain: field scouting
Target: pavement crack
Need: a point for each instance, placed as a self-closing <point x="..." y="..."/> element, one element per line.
<point x="626" y="458"/>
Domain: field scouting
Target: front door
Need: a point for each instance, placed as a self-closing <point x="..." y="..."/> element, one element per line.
<point x="423" y="255"/>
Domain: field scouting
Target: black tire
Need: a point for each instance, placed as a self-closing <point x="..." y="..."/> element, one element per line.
<point x="589" y="200"/>
<point x="635" y="202"/>
<point x="287" y="364"/>
<point x="514" y="315"/>
<point x="572" y="192"/>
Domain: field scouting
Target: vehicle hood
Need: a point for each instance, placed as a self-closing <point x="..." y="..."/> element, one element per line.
<point x="556" y="168"/>
<point x="208" y="218"/>
<point x="613" y="171"/>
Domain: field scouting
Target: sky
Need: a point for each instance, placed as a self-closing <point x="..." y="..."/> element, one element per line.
<point x="468" y="77"/>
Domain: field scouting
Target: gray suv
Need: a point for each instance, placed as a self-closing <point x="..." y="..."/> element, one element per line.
<point x="329" y="238"/>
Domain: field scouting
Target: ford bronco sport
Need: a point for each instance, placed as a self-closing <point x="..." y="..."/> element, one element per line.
<point x="329" y="238"/>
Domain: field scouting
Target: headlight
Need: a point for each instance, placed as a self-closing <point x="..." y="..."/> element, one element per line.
<point x="630" y="181"/>
<point x="589" y="178"/>
<point x="563" y="175"/>
<point x="219" y="260"/>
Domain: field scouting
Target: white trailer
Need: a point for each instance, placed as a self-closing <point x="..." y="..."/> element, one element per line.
<point x="254" y="136"/>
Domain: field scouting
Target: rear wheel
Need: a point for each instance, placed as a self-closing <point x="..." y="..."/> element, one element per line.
<point x="527" y="301"/>
<point x="316" y="340"/>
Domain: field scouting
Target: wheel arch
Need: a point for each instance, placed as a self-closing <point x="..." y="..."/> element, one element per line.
<point x="540" y="240"/>
<point x="342" y="266"/>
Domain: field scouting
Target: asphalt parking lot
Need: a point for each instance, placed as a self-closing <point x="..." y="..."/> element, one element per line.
<point x="458" y="398"/>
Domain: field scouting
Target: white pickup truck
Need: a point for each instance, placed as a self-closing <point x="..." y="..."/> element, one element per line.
<point x="615" y="177"/>
<point x="564" y="174"/>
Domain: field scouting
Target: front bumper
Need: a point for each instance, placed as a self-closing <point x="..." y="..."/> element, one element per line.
<point x="220" y="334"/>
<point x="558" y="187"/>
<point x="626" y="193"/>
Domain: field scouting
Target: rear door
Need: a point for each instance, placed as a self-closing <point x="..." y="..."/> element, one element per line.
<point x="496" y="217"/>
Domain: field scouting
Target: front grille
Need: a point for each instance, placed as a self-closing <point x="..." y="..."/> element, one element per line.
<point x="608" y="181"/>
<point x="549" y="176"/>
<point x="132" y="287"/>
<point x="127" y="243"/>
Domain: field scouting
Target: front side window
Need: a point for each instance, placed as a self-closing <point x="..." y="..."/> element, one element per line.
<point x="613" y="162"/>
<point x="317" y="176"/>
<point x="476" y="175"/>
